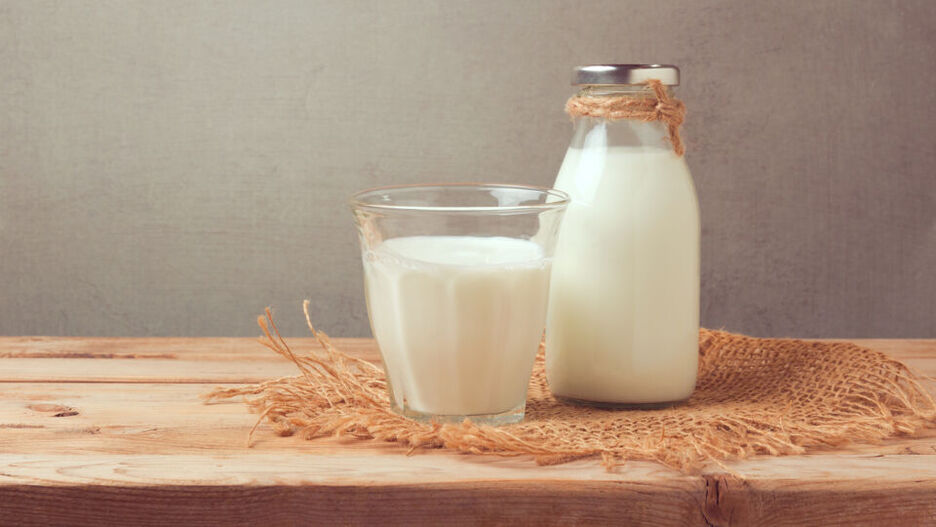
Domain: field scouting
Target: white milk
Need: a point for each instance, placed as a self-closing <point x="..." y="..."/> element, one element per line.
<point x="458" y="320"/>
<point x="624" y="299"/>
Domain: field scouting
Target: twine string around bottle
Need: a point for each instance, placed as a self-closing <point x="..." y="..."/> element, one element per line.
<point x="660" y="106"/>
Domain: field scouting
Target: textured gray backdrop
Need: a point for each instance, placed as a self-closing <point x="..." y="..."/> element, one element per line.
<point x="172" y="167"/>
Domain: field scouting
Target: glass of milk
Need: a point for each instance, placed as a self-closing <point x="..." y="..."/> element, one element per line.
<point x="456" y="278"/>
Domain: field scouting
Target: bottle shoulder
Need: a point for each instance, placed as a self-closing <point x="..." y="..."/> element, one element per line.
<point x="586" y="171"/>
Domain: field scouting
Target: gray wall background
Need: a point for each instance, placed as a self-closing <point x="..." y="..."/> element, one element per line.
<point x="172" y="167"/>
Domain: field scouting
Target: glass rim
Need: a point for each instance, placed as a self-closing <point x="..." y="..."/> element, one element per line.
<point x="357" y="200"/>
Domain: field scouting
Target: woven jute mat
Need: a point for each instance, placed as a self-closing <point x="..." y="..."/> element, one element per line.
<point x="753" y="397"/>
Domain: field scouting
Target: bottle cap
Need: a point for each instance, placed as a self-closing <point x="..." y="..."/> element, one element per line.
<point x="625" y="74"/>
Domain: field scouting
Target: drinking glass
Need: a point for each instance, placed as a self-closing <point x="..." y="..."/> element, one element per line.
<point x="456" y="280"/>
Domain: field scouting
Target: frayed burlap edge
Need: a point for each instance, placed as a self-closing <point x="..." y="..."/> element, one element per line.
<point x="340" y="395"/>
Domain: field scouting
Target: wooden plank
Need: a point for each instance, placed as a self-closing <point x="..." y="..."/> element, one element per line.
<point x="149" y="371"/>
<point x="245" y="348"/>
<point x="154" y="360"/>
<point x="167" y="418"/>
<point x="850" y="501"/>
<point x="192" y="489"/>
<point x="483" y="502"/>
<point x="149" y="452"/>
<point x="230" y="360"/>
<point x="202" y="348"/>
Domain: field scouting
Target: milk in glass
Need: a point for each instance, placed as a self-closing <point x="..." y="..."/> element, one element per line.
<point x="458" y="319"/>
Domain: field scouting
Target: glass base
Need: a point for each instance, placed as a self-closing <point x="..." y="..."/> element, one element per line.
<point x="514" y="415"/>
<point x="620" y="406"/>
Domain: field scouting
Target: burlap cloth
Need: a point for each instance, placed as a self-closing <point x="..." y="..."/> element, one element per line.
<point x="754" y="396"/>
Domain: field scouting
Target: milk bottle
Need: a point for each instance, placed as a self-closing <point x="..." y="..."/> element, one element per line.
<point x="623" y="321"/>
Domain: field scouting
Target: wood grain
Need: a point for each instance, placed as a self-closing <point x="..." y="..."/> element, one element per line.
<point x="160" y="360"/>
<point x="112" y="431"/>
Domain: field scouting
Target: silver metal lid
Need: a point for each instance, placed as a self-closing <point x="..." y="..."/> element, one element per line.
<point x="625" y="74"/>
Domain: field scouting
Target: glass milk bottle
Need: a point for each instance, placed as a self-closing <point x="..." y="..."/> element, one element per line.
<point x="623" y="322"/>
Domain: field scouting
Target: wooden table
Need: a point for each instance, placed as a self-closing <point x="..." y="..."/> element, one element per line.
<point x="112" y="431"/>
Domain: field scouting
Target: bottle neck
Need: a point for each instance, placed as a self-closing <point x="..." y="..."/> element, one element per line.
<point x="596" y="132"/>
<point x="592" y="132"/>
